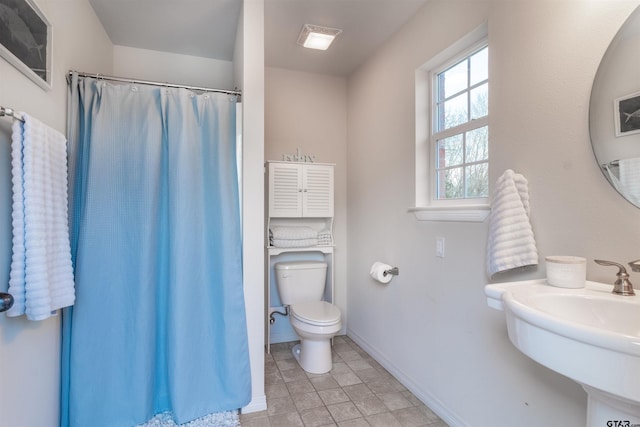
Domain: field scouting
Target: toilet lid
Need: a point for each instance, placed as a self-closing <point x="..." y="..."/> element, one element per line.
<point x="316" y="312"/>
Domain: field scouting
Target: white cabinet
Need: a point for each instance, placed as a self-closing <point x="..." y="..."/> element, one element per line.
<point x="300" y="190"/>
<point x="298" y="195"/>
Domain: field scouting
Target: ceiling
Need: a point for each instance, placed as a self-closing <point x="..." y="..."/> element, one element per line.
<point x="207" y="28"/>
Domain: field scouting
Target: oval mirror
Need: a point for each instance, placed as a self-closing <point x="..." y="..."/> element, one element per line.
<point x="614" y="111"/>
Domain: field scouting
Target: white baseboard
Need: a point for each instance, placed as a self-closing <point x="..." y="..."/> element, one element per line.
<point x="425" y="396"/>
<point x="257" y="404"/>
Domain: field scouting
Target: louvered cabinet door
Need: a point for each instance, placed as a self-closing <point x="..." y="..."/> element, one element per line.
<point x="317" y="191"/>
<point x="285" y="190"/>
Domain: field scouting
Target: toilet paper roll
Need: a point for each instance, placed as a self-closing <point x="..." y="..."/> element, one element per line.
<point x="377" y="272"/>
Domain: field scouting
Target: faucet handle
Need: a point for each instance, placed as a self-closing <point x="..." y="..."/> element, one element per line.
<point x="622" y="286"/>
<point x="635" y="265"/>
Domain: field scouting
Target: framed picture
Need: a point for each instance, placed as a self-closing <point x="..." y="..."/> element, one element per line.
<point x="627" y="114"/>
<point x="25" y="40"/>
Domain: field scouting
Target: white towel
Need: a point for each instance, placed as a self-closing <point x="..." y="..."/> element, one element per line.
<point x="294" y="243"/>
<point x="630" y="177"/>
<point x="325" y="238"/>
<point x="511" y="242"/>
<point x="292" y="233"/>
<point x="41" y="277"/>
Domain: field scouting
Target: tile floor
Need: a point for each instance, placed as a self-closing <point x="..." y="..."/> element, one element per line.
<point x="357" y="392"/>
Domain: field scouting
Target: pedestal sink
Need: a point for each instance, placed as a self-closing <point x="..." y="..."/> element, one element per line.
<point x="587" y="334"/>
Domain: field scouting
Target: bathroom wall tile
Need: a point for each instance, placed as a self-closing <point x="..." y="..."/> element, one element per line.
<point x="344" y="411"/>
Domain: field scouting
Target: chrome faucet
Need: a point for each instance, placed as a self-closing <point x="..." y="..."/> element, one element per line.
<point x="622" y="286"/>
<point x="635" y="265"/>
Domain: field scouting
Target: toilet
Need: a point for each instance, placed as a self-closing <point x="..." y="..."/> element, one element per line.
<point x="300" y="286"/>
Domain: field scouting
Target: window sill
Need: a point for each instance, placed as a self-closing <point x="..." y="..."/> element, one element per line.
<point x="470" y="213"/>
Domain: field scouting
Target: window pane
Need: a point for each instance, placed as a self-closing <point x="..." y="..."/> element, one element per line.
<point x="461" y="141"/>
<point x="450" y="184"/>
<point x="480" y="101"/>
<point x="455" y="111"/>
<point x="477" y="146"/>
<point x="480" y="66"/>
<point x="477" y="180"/>
<point x="453" y="80"/>
<point x="450" y="151"/>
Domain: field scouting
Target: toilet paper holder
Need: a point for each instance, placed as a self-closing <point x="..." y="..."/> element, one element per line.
<point x="395" y="271"/>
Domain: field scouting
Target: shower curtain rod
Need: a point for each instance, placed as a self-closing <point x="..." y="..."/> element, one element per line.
<point x="152" y="83"/>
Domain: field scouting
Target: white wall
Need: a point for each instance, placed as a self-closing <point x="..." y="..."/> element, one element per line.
<point x="431" y="326"/>
<point x="249" y="70"/>
<point x="309" y="111"/>
<point x="30" y="351"/>
<point x="189" y="70"/>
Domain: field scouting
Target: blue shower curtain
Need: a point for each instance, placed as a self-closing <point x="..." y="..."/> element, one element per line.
<point x="159" y="322"/>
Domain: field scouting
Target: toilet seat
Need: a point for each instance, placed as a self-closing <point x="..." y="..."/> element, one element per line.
<point x="319" y="313"/>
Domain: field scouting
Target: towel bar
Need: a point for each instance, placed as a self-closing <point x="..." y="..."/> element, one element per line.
<point x="10" y="112"/>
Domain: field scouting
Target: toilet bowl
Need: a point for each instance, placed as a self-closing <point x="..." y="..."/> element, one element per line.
<point x="301" y="286"/>
<point x="315" y="323"/>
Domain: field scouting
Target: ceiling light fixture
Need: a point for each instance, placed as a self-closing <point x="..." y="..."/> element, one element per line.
<point x="316" y="37"/>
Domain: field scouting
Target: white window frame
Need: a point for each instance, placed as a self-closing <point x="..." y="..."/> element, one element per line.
<point x="428" y="207"/>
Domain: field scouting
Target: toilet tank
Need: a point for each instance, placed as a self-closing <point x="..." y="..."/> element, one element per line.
<point x="300" y="281"/>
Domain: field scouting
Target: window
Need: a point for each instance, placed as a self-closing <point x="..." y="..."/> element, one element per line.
<point x="452" y="132"/>
<point x="459" y="139"/>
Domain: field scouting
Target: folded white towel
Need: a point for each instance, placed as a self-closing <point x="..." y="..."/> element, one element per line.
<point x="294" y="243"/>
<point x="325" y="238"/>
<point x="292" y="232"/>
<point x="511" y="242"/>
<point x="41" y="277"/>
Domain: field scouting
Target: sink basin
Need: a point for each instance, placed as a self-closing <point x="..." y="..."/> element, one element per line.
<point x="589" y="335"/>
